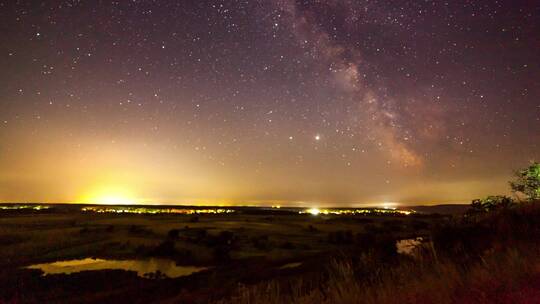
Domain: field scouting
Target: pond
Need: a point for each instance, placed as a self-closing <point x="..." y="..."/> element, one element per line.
<point x="291" y="265"/>
<point x="409" y="246"/>
<point x="150" y="268"/>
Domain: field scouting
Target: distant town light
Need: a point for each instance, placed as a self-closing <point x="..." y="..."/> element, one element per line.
<point x="389" y="205"/>
<point x="314" y="211"/>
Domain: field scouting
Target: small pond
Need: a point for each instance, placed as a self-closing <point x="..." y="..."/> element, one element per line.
<point x="291" y="265"/>
<point x="408" y="246"/>
<point x="150" y="268"/>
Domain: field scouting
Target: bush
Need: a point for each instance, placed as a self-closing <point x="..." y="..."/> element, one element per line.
<point x="166" y="248"/>
<point x="262" y="242"/>
<point x="311" y="228"/>
<point x="528" y="182"/>
<point x="138" y="230"/>
<point x="376" y="229"/>
<point x="287" y="245"/>
<point x="365" y="240"/>
<point x="173" y="233"/>
<point x="195" y="235"/>
<point x="340" y="237"/>
<point x="491" y="203"/>
<point x="419" y="225"/>
<point x="394" y="225"/>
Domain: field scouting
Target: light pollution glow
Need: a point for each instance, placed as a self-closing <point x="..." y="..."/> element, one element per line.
<point x="133" y="173"/>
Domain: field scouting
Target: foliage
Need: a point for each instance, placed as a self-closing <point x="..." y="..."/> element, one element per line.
<point x="487" y="261"/>
<point x="492" y="202"/>
<point x="528" y="181"/>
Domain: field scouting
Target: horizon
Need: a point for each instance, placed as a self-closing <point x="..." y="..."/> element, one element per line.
<point x="302" y="205"/>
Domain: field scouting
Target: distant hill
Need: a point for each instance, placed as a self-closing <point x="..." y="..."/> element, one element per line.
<point x="442" y="209"/>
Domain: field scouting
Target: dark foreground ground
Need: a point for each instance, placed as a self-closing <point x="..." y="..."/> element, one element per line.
<point x="344" y="258"/>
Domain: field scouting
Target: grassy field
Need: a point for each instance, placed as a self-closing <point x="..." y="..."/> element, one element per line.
<point x="248" y="245"/>
<point x="480" y="258"/>
<point x="29" y="237"/>
<point x="261" y="256"/>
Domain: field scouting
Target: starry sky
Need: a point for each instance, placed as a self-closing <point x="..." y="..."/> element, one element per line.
<point x="337" y="102"/>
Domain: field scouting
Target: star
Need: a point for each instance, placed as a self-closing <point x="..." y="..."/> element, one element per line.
<point x="199" y="95"/>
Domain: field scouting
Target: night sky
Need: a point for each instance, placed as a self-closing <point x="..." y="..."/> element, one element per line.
<point x="266" y="102"/>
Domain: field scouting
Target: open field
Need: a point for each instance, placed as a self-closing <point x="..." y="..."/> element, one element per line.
<point x="257" y="255"/>
<point x="245" y="245"/>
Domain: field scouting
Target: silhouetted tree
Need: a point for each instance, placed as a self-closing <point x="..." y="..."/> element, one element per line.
<point x="491" y="203"/>
<point x="527" y="181"/>
<point x="165" y="248"/>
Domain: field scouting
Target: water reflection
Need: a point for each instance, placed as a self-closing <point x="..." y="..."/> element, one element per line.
<point x="409" y="246"/>
<point x="291" y="265"/>
<point x="151" y="268"/>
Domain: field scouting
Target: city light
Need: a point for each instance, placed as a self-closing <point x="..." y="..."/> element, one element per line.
<point x="314" y="211"/>
<point x="24" y="207"/>
<point x="365" y="211"/>
<point x="149" y="210"/>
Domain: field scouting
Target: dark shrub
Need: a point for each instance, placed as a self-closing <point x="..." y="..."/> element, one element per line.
<point x="166" y="248"/>
<point x="222" y="244"/>
<point x="312" y="229"/>
<point x="365" y="240"/>
<point x="137" y="230"/>
<point x="491" y="203"/>
<point x="11" y="239"/>
<point x="173" y="233"/>
<point x="527" y="182"/>
<point x="462" y="239"/>
<point x="155" y="275"/>
<point x="226" y="238"/>
<point x="393" y="225"/>
<point x="195" y="235"/>
<point x="363" y="220"/>
<point x="287" y="245"/>
<point x="419" y="225"/>
<point x="340" y="237"/>
<point x="222" y="254"/>
<point x="261" y="242"/>
<point x="375" y="229"/>
<point x="382" y="245"/>
<point x="142" y="250"/>
<point x="385" y="246"/>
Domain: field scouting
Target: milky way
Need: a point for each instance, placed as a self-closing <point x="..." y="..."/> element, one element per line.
<point x="263" y="102"/>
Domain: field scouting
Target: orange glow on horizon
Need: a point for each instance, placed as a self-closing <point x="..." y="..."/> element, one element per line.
<point x="110" y="195"/>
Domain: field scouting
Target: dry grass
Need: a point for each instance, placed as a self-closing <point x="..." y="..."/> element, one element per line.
<point x="498" y="278"/>
<point x="506" y="271"/>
